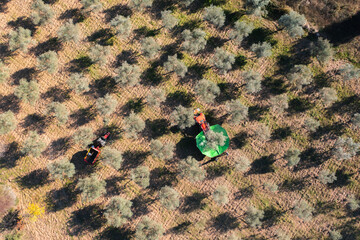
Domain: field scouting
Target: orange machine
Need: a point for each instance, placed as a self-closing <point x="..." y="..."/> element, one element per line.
<point x="201" y="120"/>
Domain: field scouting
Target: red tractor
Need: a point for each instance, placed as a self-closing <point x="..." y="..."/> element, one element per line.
<point x="94" y="152"/>
<point x="201" y="120"/>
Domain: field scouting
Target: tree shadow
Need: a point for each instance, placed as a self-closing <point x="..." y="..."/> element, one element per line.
<point x="281" y="133"/>
<point x="214" y="42"/>
<point x="24" y="22"/>
<point x="119" y="9"/>
<point x="233" y="16"/>
<point x="342" y="178"/>
<point x="152" y="76"/>
<point x="262" y="165"/>
<point x="298" y="105"/>
<point x="217" y="170"/>
<point x="274" y="86"/>
<point x="180" y="228"/>
<point x="239" y="140"/>
<point x="133" y="159"/>
<point x="82" y="168"/>
<point x="80" y="64"/>
<point x="57" y="94"/>
<point x="35" y="122"/>
<point x="57" y="148"/>
<point x="10" y="220"/>
<point x="200" y="4"/>
<point x="349" y="230"/>
<point x="140" y="205"/>
<point x="271" y="215"/>
<point x="104" y="37"/>
<point x="337" y="128"/>
<point x="274" y="12"/>
<point x="136" y="105"/>
<point x="258" y="35"/>
<point x="225" y="222"/>
<point x="10" y="156"/>
<point x="323" y="207"/>
<point x="310" y="158"/>
<point x="113" y="233"/>
<point x="256" y="112"/>
<point x="301" y="53"/>
<point x="187" y="147"/>
<point x="52" y="44"/>
<point x="112" y="188"/>
<point x="82" y="116"/>
<point x="34" y="179"/>
<point x="59" y="199"/>
<point x="240" y="62"/>
<point x="193" y="202"/>
<point x="10" y="102"/>
<point x="74" y="14"/>
<point x="3" y="5"/>
<point x="157" y="128"/>
<point x="144" y="32"/>
<point x="293" y="184"/>
<point x="161" y="177"/>
<point x="245" y="192"/>
<point x="347" y="105"/>
<point x="5" y="51"/>
<point x="103" y="86"/>
<point x="87" y="219"/>
<point x="129" y="56"/>
<point x="228" y="91"/>
<point x="27" y="73"/>
<point x="179" y="98"/>
<point x="197" y="71"/>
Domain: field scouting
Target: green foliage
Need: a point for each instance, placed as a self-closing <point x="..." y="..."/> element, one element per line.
<point x="83" y="136"/>
<point x="256" y="7"/>
<point x="91" y="5"/>
<point x="140" y="5"/>
<point x="345" y="148"/>
<point x="237" y="111"/>
<point x="215" y="139"/>
<point x="311" y="124"/>
<point x="335" y="235"/>
<point x="353" y="203"/>
<point x="155" y="97"/>
<point x="242" y="163"/>
<point x="118" y="211"/>
<point x="48" y="62"/>
<point x="162" y="151"/>
<point x="33" y="145"/>
<point x="262" y="132"/>
<point x="252" y="81"/>
<point x="128" y="75"/>
<point x="222" y="60"/>
<point x="279" y="103"/>
<point x="133" y="125"/>
<point x="141" y="176"/>
<point x="322" y="50"/>
<point x="122" y="26"/>
<point x="254" y="216"/>
<point x="328" y="96"/>
<point x="183" y="117"/>
<point x="221" y="195"/>
<point x="262" y="49"/>
<point x="241" y="30"/>
<point x="59" y="111"/>
<point x="149" y="47"/>
<point x="349" y="72"/>
<point x="8" y="122"/>
<point x="173" y="64"/>
<point x="215" y="15"/>
<point x="4" y="72"/>
<point x="207" y="90"/>
<point x="281" y="235"/>
<point x="356" y="120"/>
<point x="13" y="236"/>
<point x="20" y="39"/>
<point x="42" y="13"/>
<point x="106" y="105"/>
<point x="293" y="23"/>
<point x="300" y="75"/>
<point x="99" y="54"/>
<point x="78" y="83"/>
<point x="272" y="187"/>
<point x="169" y="198"/>
<point x="148" y="229"/>
<point x="7" y="199"/>
<point x="190" y="168"/>
<point x="169" y="21"/>
<point x="69" y="32"/>
<point x="112" y="157"/>
<point x="325" y="176"/>
<point x="91" y="187"/>
<point x="194" y="41"/>
<point x="292" y="156"/>
<point x="303" y="210"/>
<point x="61" y="169"/>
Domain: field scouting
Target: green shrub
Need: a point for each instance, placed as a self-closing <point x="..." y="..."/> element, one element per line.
<point x="78" y="83"/>
<point x="118" y="211"/>
<point x="169" y="21"/>
<point x="292" y="156"/>
<point x="256" y="7"/>
<point x="241" y="30"/>
<point x="173" y="64"/>
<point x="254" y="216"/>
<point x="122" y="26"/>
<point x="262" y="49"/>
<point x="128" y="75"/>
<point x="91" y="187"/>
<point x="112" y="157"/>
<point x="293" y="23"/>
<point x="133" y="125"/>
<point x="99" y="54"/>
<point x="325" y="176"/>
<point x="141" y="176"/>
<point x="106" y="105"/>
<point x="69" y="32"/>
<point x="20" y="39"/>
<point x="83" y="136"/>
<point x="190" y="168"/>
<point x="59" y="111"/>
<point x="4" y="72"/>
<point x="328" y="96"/>
<point x="194" y="41"/>
<point x="148" y="229"/>
<point x="300" y="75"/>
<point x="162" y="151"/>
<point x="61" y="169"/>
<point x="222" y="60"/>
<point x="303" y="210"/>
<point x="182" y="117"/>
<point x="155" y="97"/>
<point x="242" y="163"/>
<point x="221" y="195"/>
<point x="8" y="122"/>
<point x="279" y="103"/>
<point x="48" y="62"/>
<point x="237" y="111"/>
<point x="207" y="90"/>
<point x="42" y="13"/>
<point x="322" y="50"/>
<point x="252" y="81"/>
<point x="215" y="15"/>
<point x="169" y="198"/>
<point x="33" y="145"/>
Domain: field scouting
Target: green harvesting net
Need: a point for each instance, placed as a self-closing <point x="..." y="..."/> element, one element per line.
<point x="201" y="142"/>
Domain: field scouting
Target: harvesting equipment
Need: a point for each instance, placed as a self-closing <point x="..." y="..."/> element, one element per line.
<point x="93" y="154"/>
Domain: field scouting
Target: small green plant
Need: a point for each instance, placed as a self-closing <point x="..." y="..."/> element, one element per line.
<point x="83" y="136"/>
<point x="8" y="122"/>
<point x="221" y="195"/>
<point x="41" y="13"/>
<point x="194" y="41"/>
<point x="300" y="75"/>
<point x="91" y="187"/>
<point x="28" y="92"/>
<point x="155" y="97"/>
<point x="4" y="72"/>
<point x="20" y="39"/>
<point x="328" y="96"/>
<point x="241" y="30"/>
<point x="106" y="105"/>
<point x="141" y="176"/>
<point x="292" y="156"/>
<point x="173" y="64"/>
<point x="133" y="125"/>
<point x="222" y="60"/>
<point x="293" y="23"/>
<point x="237" y="111"/>
<point x="78" y="83"/>
<point x="256" y="7"/>
<point x="148" y="229"/>
<point x="242" y="163"/>
<point x="118" y="211"/>
<point x="33" y="145"/>
<point x="311" y="124"/>
<point x="279" y="103"/>
<point x="169" y="198"/>
<point x="169" y="21"/>
<point x="262" y="50"/>
<point x="99" y="54"/>
<point x="48" y="62"/>
<point x="61" y="169"/>
<point x="183" y="117"/>
<point x="112" y="157"/>
<point x="303" y="210"/>
<point x="252" y="81"/>
<point x="215" y="15"/>
<point x="325" y="176"/>
<point x="162" y="151"/>
<point x="59" y="111"/>
<point x="69" y="32"/>
<point x="322" y="50"/>
<point x="122" y="26"/>
<point x="254" y="216"/>
<point x="190" y="168"/>
<point x="128" y="75"/>
<point x="207" y="90"/>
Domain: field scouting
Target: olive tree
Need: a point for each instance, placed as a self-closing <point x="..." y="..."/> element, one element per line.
<point x="293" y="23"/>
<point x="99" y="54"/>
<point x="262" y="50"/>
<point x="194" y="41"/>
<point x="356" y="120"/>
<point x="303" y="210"/>
<point x="256" y="7"/>
<point x="311" y="124"/>
<point x="91" y="187"/>
<point x="83" y="136"/>
<point x="169" y="21"/>
<point x="128" y="75"/>
<point x="207" y="90"/>
<point x="141" y="176"/>
<point x="118" y="211"/>
<point x="4" y="72"/>
<point x="8" y="122"/>
<point x="69" y="32"/>
<point x="300" y="75"/>
<point x="173" y="64"/>
<point x="13" y="236"/>
<point x="149" y="47"/>
<point x="20" y="39"/>
<point x="215" y="139"/>
<point x="106" y="105"/>
<point x="169" y="198"/>
<point x="349" y="72"/>
<point x="353" y="203"/>
<point x="28" y="92"/>
<point x="254" y="216"/>
<point x="112" y="157"/>
<point x="221" y="195"/>
<point x="161" y="150"/>
<point x="222" y="60"/>
<point x="155" y="97"/>
<point x="279" y="103"/>
<point x="78" y="83"/>
<point x="190" y="168"/>
<point x="48" y="62"/>
<point x="252" y="81"/>
<point x="91" y="6"/>
<point x="335" y="235"/>
<point x="292" y="156"/>
<point x="237" y="111"/>
<point x="262" y="132"/>
<point x="33" y="145"/>
<point x="59" y="111"/>
<point x="133" y="125"/>
<point x="328" y="96"/>
<point x="61" y="169"/>
<point x="345" y="148"/>
<point x="242" y="163"/>
<point x="215" y="15"/>
<point x="322" y="50"/>
<point x="183" y="117"/>
<point x="241" y="30"/>
<point x="41" y="13"/>
<point x="140" y="5"/>
<point x="325" y="176"/>
<point x="122" y="26"/>
<point x="7" y="199"/>
<point x="148" y="229"/>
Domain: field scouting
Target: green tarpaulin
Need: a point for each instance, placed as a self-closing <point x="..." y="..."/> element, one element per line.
<point x="201" y="143"/>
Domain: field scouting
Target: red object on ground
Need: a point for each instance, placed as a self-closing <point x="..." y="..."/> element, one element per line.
<point x="94" y="152"/>
<point x="201" y="120"/>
